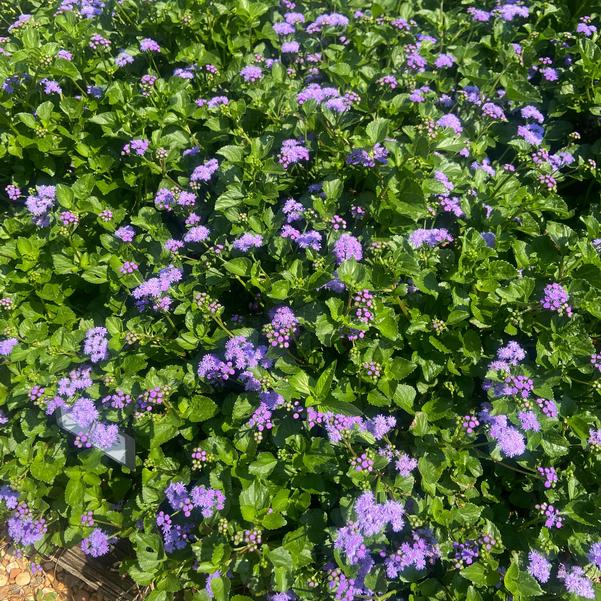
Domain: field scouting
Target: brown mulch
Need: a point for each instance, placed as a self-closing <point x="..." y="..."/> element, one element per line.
<point x="17" y="583"/>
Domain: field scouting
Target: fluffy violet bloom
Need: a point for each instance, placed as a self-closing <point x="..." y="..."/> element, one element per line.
<point x="529" y="421"/>
<point x="531" y="112"/>
<point x="365" y="158"/>
<point x="290" y="47"/>
<point x="283" y="28"/>
<point x="310" y="239"/>
<point x="380" y="425"/>
<point x="510" y="441"/>
<point x="556" y="299"/>
<point x="293" y="210"/>
<point x="138" y="146"/>
<point x="96" y="544"/>
<point x="594" y="554"/>
<point x="433" y="237"/>
<point x="251" y="73"/>
<point x="539" y="566"/>
<point x="532" y="133"/>
<point x="405" y="464"/>
<point x="292" y="151"/>
<point x="584" y="27"/>
<point x="444" y="61"/>
<point x="123" y="59"/>
<point x="23" y="529"/>
<point x="494" y="111"/>
<point x="242" y="353"/>
<point x="198" y="233"/>
<point x="327" y="20"/>
<point x="149" y="45"/>
<point x="282" y="328"/>
<point x="204" y="172"/>
<point x="104" y="436"/>
<point x="208" y="500"/>
<point x="347" y="247"/>
<point x="84" y="412"/>
<point x="125" y="233"/>
<point x="214" y="370"/>
<point x="248" y="241"/>
<point x="7" y="346"/>
<point x="373" y="518"/>
<point x="9" y="497"/>
<point x="350" y="542"/>
<point x="512" y="352"/>
<point x="96" y="345"/>
<point x="39" y="205"/>
<point x="576" y="582"/>
<point x="451" y="121"/>
<point x="50" y="86"/>
<point x="478" y="15"/>
<point x="508" y="12"/>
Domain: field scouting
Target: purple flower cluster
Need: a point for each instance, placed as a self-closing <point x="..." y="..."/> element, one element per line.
<point x="347" y="247"/>
<point x="7" y="346"/>
<point x="153" y="291"/>
<point x="365" y="158"/>
<point x="39" y="205"/>
<point x="282" y="328"/>
<point x="556" y="299"/>
<point x="96" y="544"/>
<point x="204" y="172"/>
<point x="22" y="528"/>
<point x="429" y="237"/>
<point x="96" y="345"/>
<point x="248" y="241"/>
<point x="291" y="152"/>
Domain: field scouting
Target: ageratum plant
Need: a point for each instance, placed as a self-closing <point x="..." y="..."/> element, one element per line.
<point x="333" y="266"/>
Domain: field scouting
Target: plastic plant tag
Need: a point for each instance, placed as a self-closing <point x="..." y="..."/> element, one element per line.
<point x="123" y="450"/>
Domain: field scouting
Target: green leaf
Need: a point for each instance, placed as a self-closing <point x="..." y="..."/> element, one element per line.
<point x="520" y="583"/>
<point x="239" y="266"/>
<point x="263" y="465"/>
<point x="377" y="130"/>
<point x="324" y="382"/>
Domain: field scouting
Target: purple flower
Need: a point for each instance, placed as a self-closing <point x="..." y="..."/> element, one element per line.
<point x="104" y="436"/>
<point x="556" y="299"/>
<point x="8" y="496"/>
<point x="39" y="205"/>
<point x="380" y="425"/>
<point x="282" y="28"/>
<point x="512" y="352"/>
<point x="13" y="192"/>
<point x="529" y="421"/>
<point x="23" y="529"/>
<point x="350" y="542"/>
<point x="96" y="544"/>
<point x="493" y="111"/>
<point x="531" y="112"/>
<point x="478" y="15"/>
<point x="373" y="518"/>
<point x="310" y="239"/>
<point x="138" y="146"/>
<point x="585" y="27"/>
<point x="576" y="582"/>
<point x="84" y="412"/>
<point x="248" y="241"/>
<point x="539" y="566"/>
<point x="50" y="86"/>
<point x="405" y="464"/>
<point x="508" y="12"/>
<point x="432" y="237"/>
<point x="123" y="59"/>
<point x="198" y="233"/>
<point x="532" y="133"/>
<point x="444" y="60"/>
<point x="327" y="20"/>
<point x="360" y="156"/>
<point x="282" y="328"/>
<point x="594" y="554"/>
<point x="208" y="500"/>
<point x="7" y="346"/>
<point x="213" y="369"/>
<point x="96" y="344"/>
<point x="149" y="45"/>
<point x="347" y="247"/>
<point x="290" y="47"/>
<point x="451" y="121"/>
<point x="210" y="578"/>
<point x="510" y="441"/>
<point x="125" y="233"/>
<point x="293" y="210"/>
<point x="204" y="172"/>
<point x="251" y="73"/>
<point x="292" y="151"/>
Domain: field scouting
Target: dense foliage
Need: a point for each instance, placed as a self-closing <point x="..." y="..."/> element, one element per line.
<point x="334" y="267"/>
